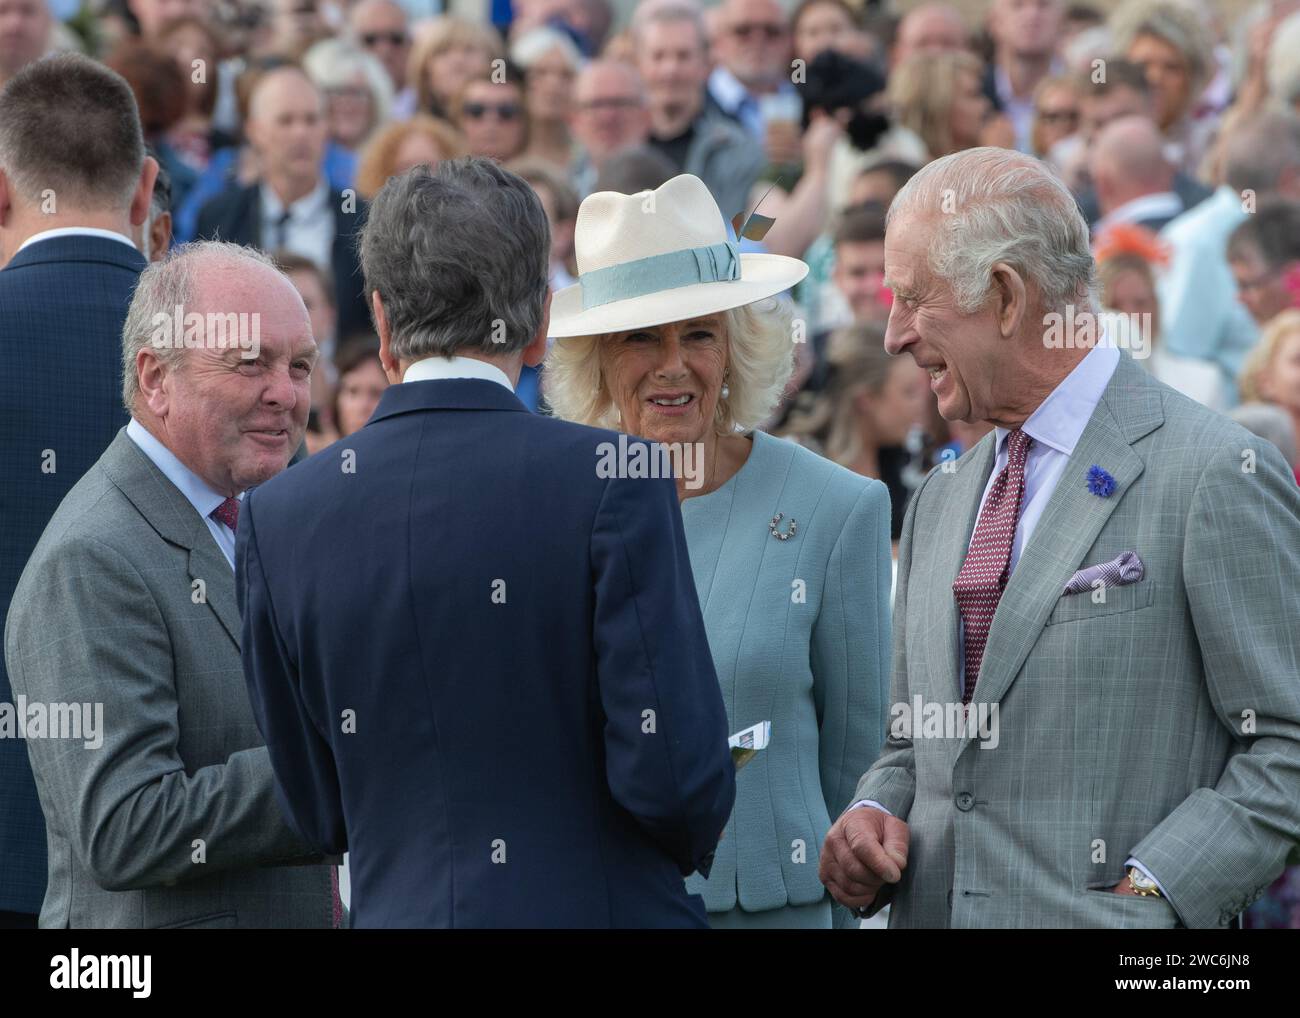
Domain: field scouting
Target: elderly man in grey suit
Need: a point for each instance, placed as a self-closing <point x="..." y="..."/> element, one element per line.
<point x="165" y="814"/>
<point x="1096" y="716"/>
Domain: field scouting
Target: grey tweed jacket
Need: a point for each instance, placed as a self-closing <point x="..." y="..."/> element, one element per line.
<point x="172" y="821"/>
<point x="1162" y="723"/>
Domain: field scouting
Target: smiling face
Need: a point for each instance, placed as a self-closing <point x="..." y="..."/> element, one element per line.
<point x="962" y="352"/>
<point x="666" y="380"/>
<point x="236" y="421"/>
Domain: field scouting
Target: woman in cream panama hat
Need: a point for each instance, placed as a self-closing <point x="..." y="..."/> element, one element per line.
<point x="672" y="335"/>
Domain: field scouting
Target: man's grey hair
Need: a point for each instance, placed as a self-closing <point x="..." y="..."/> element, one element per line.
<point x="1260" y="149"/>
<point x="990" y="205"/>
<point x="165" y="285"/>
<point x="656" y="12"/>
<point x="70" y="132"/>
<point x="460" y="256"/>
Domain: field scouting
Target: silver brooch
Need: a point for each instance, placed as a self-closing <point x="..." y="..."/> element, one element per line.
<point x="775" y="527"/>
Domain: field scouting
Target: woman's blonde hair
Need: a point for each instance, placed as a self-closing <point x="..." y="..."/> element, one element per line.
<point x="922" y="92"/>
<point x="379" y="157"/>
<point x="1176" y="22"/>
<point x="1280" y="328"/>
<point x="859" y="364"/>
<point x="442" y="33"/>
<point x="760" y="361"/>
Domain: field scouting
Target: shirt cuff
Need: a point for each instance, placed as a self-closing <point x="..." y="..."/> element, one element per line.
<point x="1130" y="861"/>
<point x="874" y="805"/>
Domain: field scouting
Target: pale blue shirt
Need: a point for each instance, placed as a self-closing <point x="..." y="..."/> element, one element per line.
<point x="733" y="97"/>
<point x="191" y="485"/>
<point x="1200" y="315"/>
<point x="1056" y="427"/>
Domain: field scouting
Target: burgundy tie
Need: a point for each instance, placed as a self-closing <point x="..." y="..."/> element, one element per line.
<point x="227" y="513"/>
<point x="978" y="587"/>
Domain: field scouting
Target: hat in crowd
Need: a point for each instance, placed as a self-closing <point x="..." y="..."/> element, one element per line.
<point x="660" y="256"/>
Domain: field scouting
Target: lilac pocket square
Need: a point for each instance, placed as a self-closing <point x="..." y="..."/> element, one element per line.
<point x="1116" y="573"/>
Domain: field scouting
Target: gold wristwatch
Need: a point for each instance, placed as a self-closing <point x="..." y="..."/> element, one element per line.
<point x="1141" y="883"/>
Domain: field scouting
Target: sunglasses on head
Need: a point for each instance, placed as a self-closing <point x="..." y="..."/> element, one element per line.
<point x="372" y="39"/>
<point x="506" y="111"/>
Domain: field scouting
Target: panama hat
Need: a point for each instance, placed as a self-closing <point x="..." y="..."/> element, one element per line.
<point x="660" y="256"/>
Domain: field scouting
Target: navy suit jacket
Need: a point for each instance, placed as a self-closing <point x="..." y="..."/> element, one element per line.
<point x="235" y="215"/>
<point x="62" y="305"/>
<point x="481" y="668"/>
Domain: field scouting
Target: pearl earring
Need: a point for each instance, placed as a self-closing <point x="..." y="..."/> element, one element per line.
<point x="726" y="390"/>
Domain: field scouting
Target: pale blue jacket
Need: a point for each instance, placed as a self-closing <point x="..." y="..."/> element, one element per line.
<point x="799" y="632"/>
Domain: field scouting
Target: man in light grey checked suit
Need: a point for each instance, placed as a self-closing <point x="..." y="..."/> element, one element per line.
<point x="1127" y="755"/>
<point x="166" y="814"/>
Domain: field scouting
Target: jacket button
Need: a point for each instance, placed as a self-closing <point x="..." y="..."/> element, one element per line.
<point x="965" y="801"/>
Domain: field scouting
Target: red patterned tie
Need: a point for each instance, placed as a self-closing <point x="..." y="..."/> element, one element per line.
<point x="978" y="587"/>
<point x="227" y="513"/>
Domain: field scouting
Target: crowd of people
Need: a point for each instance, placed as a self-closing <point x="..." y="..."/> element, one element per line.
<point x="388" y="161"/>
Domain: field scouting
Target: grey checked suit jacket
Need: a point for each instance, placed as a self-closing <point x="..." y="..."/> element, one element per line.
<point x="1163" y="723"/>
<point x="108" y="611"/>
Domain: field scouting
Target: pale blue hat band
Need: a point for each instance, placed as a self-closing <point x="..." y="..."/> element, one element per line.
<point x="713" y="263"/>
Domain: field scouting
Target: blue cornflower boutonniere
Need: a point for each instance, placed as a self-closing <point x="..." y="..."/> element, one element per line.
<point x="1100" y="483"/>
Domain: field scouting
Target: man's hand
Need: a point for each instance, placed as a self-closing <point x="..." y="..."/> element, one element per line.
<point x="866" y="849"/>
<point x="1123" y="887"/>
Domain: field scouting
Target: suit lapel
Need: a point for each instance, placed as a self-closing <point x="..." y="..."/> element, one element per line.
<point x="209" y="564"/>
<point x="1071" y="522"/>
<point x="169" y="513"/>
<point x="959" y="507"/>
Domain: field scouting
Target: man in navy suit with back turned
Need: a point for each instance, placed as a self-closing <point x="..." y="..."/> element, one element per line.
<point x="74" y="181"/>
<point x="479" y="666"/>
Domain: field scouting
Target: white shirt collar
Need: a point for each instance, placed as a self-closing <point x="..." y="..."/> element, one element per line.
<point x="191" y="485"/>
<point x="438" y="368"/>
<point x="304" y="208"/>
<point x="75" y="231"/>
<point x="1061" y="417"/>
<point x="1160" y="204"/>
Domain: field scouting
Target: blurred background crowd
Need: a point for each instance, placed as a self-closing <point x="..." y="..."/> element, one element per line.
<point x="1176" y="123"/>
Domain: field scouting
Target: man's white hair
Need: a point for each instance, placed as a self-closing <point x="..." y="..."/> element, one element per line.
<point x="164" y="286"/>
<point x="990" y="205"/>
